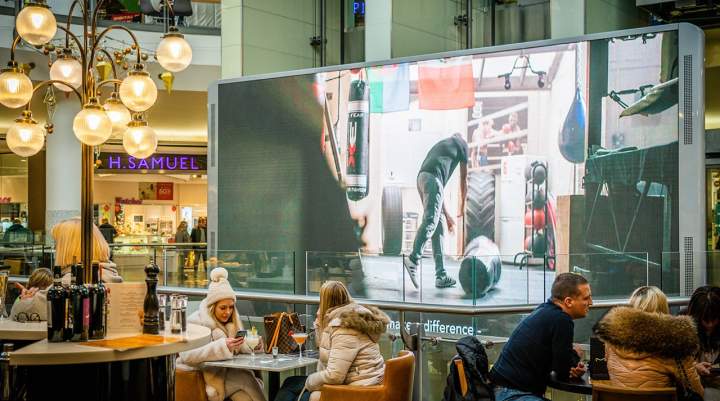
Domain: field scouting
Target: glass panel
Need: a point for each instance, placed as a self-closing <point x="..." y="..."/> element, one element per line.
<point x="426" y="26"/>
<point x="262" y="271"/>
<point x="276" y="35"/>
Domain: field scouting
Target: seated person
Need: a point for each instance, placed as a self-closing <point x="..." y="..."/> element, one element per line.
<point x="704" y="309"/>
<point x="32" y="302"/>
<point x="649" y="349"/>
<point x="543" y="343"/>
<point x="217" y="312"/>
<point x="649" y="299"/>
<point x="66" y="235"/>
<point x="347" y="335"/>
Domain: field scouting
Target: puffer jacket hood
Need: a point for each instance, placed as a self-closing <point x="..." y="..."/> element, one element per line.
<point x="632" y="330"/>
<point x="368" y="320"/>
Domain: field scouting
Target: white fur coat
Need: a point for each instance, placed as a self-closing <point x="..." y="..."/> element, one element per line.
<point x="215" y="350"/>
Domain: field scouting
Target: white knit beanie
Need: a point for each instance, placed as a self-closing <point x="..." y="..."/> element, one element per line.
<point x="219" y="287"/>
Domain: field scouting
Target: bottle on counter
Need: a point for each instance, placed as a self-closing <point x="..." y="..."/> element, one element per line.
<point x="6" y="373"/>
<point x="84" y="304"/>
<point x="56" y="307"/>
<point x="98" y="306"/>
<point x="76" y="308"/>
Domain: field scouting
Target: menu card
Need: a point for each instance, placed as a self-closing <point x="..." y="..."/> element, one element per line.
<point x="125" y="307"/>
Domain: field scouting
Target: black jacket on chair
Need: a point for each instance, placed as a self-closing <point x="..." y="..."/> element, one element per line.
<point x="475" y="363"/>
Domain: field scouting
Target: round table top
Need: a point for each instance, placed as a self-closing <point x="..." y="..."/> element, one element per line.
<point x="577" y="386"/>
<point x="30" y="331"/>
<point x="67" y="353"/>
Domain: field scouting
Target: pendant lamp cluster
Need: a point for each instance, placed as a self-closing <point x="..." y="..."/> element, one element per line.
<point x="83" y="67"/>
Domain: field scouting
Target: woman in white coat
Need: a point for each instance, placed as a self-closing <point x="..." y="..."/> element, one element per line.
<point x="217" y="312"/>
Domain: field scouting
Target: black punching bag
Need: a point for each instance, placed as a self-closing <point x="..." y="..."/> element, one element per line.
<point x="571" y="140"/>
<point x="358" y="141"/>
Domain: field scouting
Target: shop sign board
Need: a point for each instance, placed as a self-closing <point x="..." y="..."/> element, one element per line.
<point x="164" y="191"/>
<point x="158" y="163"/>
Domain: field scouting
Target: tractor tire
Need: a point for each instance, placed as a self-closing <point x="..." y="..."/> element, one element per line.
<point x="480" y="206"/>
<point x="392" y="221"/>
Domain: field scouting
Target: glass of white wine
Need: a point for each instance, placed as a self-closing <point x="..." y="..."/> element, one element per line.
<point x="300" y="339"/>
<point x="252" y="340"/>
<point x="3" y="290"/>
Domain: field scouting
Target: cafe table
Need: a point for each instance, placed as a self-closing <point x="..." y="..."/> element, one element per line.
<point x="578" y="386"/>
<point x="121" y="367"/>
<point x="266" y="362"/>
<point x="11" y="330"/>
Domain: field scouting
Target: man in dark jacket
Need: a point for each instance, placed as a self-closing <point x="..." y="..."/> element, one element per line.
<point x="108" y="231"/>
<point x="199" y="234"/>
<point x="543" y="343"/>
<point x="18" y="234"/>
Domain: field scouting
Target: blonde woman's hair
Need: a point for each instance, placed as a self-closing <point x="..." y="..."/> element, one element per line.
<point x="649" y="299"/>
<point x="41" y="278"/>
<point x="67" y="243"/>
<point x="332" y="295"/>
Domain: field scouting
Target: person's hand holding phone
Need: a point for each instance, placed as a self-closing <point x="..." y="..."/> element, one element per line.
<point x="234" y="344"/>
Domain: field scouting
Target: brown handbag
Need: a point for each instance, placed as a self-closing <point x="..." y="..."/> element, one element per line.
<point x="278" y="326"/>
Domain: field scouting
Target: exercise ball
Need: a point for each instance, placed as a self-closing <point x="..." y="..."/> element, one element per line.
<point x="535" y="218"/>
<point x="537" y="244"/>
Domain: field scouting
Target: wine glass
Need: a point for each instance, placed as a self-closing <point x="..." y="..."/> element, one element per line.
<point x="300" y="340"/>
<point x="252" y="341"/>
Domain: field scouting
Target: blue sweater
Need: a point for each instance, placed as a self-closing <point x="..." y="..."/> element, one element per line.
<point x="541" y="343"/>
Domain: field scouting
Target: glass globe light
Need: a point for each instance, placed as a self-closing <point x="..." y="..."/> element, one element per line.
<point x="138" y="91"/>
<point x="36" y="24"/>
<point x="16" y="88"/>
<point x="66" y="69"/>
<point x="25" y="137"/>
<point x="118" y="113"/>
<point x="91" y="125"/>
<point x="174" y="52"/>
<point x="139" y="140"/>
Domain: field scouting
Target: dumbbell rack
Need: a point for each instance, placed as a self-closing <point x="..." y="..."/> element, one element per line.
<point x="536" y="258"/>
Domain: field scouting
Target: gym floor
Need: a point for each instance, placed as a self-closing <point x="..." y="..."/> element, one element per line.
<point x="385" y="279"/>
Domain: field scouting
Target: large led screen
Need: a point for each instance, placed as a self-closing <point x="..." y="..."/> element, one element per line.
<point x="549" y="159"/>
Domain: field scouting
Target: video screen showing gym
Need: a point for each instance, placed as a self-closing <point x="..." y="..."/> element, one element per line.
<point x="471" y="179"/>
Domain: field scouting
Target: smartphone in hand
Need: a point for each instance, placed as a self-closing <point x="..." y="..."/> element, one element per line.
<point x="241" y="333"/>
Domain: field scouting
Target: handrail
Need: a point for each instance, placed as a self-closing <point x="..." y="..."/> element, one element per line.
<point x="165" y="245"/>
<point x="397" y="306"/>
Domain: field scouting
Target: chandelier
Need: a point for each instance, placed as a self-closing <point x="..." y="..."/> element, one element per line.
<point x="82" y="66"/>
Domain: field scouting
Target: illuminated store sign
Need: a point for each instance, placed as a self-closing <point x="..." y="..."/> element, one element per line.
<point x="120" y="162"/>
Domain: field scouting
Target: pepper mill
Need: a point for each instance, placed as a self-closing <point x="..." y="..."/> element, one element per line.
<point x="151" y="306"/>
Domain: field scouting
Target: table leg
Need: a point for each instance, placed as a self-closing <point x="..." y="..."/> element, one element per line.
<point x="273" y="385"/>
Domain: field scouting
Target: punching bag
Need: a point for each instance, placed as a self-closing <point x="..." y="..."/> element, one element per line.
<point x="571" y="140"/>
<point x="358" y="140"/>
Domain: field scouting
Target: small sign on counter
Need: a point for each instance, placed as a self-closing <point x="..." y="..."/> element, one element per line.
<point x="125" y="307"/>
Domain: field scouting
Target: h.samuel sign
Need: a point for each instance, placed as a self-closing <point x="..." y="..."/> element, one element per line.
<point x="157" y="163"/>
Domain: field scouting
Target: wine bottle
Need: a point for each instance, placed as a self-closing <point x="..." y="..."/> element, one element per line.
<point x="76" y="312"/>
<point x="56" y="298"/>
<point x="98" y="298"/>
<point x="84" y="321"/>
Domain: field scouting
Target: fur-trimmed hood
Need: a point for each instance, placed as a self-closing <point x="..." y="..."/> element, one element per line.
<point x="633" y="330"/>
<point x="368" y="320"/>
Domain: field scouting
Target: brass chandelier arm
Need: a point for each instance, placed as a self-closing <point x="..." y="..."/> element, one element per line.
<point x="106" y="82"/>
<point x="95" y="16"/>
<point x="54" y="81"/>
<point x="77" y="42"/>
<point x="69" y="20"/>
<point x="12" y="48"/>
<point x="111" y="28"/>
